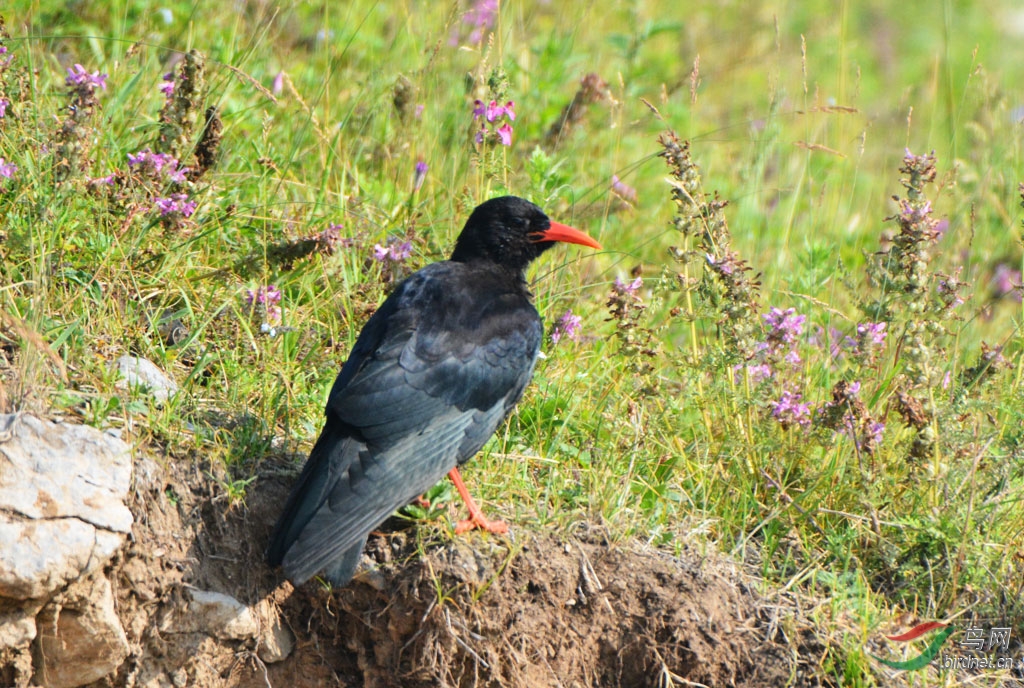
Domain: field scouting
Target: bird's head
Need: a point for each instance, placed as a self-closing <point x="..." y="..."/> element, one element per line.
<point x="511" y="232"/>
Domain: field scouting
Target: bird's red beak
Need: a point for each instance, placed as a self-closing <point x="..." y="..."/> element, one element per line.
<point x="559" y="232"/>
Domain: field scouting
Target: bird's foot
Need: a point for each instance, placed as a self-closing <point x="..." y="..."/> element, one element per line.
<point x="476" y="515"/>
<point x="477" y="520"/>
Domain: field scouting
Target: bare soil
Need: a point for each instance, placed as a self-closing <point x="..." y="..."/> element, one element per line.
<point x="539" y="610"/>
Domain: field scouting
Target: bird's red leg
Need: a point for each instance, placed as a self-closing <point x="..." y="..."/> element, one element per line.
<point x="476" y="516"/>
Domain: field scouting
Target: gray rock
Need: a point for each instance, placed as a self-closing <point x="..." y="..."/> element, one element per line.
<point x="213" y="613"/>
<point x="40" y="557"/>
<point x="62" y="511"/>
<point x="141" y="372"/>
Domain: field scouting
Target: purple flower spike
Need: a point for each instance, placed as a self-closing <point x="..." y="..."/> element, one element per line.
<point x="419" y="174"/>
<point x="77" y="76"/>
<point x="873" y="333"/>
<point x="787" y="325"/>
<point x="175" y="203"/>
<point x="567" y="326"/>
<point x="788" y="410"/>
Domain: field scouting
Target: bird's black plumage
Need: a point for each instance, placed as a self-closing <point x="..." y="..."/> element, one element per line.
<point x="431" y="376"/>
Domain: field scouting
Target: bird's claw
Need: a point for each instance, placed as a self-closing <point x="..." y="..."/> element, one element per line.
<point x="478" y="521"/>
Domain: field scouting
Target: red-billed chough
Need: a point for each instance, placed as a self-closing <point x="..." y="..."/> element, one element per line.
<point x="433" y="373"/>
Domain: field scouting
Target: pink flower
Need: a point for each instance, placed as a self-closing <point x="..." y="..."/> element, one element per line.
<point x="489" y="114"/>
<point x="504" y="133"/>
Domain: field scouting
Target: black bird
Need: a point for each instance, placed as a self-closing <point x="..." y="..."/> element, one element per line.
<point x="433" y="373"/>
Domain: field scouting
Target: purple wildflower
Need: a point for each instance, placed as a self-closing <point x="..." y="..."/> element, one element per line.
<point x="786" y="325"/>
<point x="7" y="169"/>
<point x="723" y="265"/>
<point x="494" y="111"/>
<point x="167" y="87"/>
<point x="419" y="174"/>
<point x="873" y="333"/>
<point x="394" y="252"/>
<point x="630" y="289"/>
<point x="175" y="203"/>
<point x="480" y="17"/>
<point x="108" y="180"/>
<point x="623" y="190"/>
<point x="77" y="76"/>
<point x="789" y="410"/>
<point x="876" y="430"/>
<point x="915" y="215"/>
<point x="154" y="164"/>
<point x="400" y="252"/>
<point x="263" y="295"/>
<point x="331" y="236"/>
<point x="278" y="84"/>
<point x="418" y="112"/>
<point x="758" y="372"/>
<point x="489" y="114"/>
<point x="1006" y="281"/>
<point x="949" y="287"/>
<point x="567" y="326"/>
<point x="269" y="297"/>
<point x="3" y="107"/>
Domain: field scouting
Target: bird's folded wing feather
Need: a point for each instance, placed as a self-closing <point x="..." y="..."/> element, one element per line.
<point x="417" y="398"/>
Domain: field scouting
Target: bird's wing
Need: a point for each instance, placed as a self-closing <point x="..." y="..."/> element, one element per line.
<point x="428" y="388"/>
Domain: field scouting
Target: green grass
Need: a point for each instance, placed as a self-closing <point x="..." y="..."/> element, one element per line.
<point x="798" y="115"/>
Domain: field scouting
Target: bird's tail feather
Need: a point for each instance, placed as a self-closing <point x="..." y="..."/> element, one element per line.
<point x="309" y="492"/>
